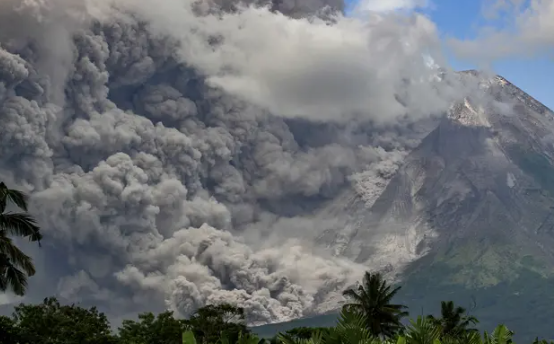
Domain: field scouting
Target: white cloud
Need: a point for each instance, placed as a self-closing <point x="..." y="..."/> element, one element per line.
<point x="529" y="32"/>
<point x="389" y="5"/>
<point x="307" y="68"/>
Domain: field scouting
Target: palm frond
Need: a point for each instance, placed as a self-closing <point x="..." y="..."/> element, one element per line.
<point x="285" y="338"/>
<point x="502" y="335"/>
<point x="372" y="299"/>
<point x="3" y="281"/>
<point x="10" y="195"/>
<point x="351" y="329"/>
<point x="15" y="279"/>
<point x="318" y="337"/>
<point x="20" y="224"/>
<point x="351" y="319"/>
<point x="15" y="256"/>
<point x="423" y="331"/>
<point x="473" y="338"/>
<point x="352" y="294"/>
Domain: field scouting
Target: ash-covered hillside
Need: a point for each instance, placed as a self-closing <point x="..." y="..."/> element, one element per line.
<point x="467" y="217"/>
<point x="484" y="175"/>
<point x="482" y="170"/>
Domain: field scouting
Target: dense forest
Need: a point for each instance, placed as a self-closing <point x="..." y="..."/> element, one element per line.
<point x="369" y="315"/>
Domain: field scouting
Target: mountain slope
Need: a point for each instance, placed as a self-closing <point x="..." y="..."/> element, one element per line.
<point x="484" y="174"/>
<point x="490" y="201"/>
<point x="485" y="183"/>
<point x="469" y="214"/>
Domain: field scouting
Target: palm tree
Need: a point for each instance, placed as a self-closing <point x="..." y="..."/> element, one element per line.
<point x="453" y="321"/>
<point x="500" y="335"/>
<point x="15" y="266"/>
<point x="350" y="329"/>
<point x="372" y="299"/>
<point x="424" y="331"/>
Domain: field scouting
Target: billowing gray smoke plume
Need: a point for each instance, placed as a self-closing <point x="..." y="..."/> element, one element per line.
<point x="175" y="152"/>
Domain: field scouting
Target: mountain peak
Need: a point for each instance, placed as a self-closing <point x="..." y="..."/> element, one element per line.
<point x="459" y="169"/>
<point x="469" y="213"/>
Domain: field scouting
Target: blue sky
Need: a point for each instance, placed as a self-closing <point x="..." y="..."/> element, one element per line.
<point x="463" y="19"/>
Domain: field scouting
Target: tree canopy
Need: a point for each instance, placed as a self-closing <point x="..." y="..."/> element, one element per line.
<point x="373" y="300"/>
<point x="51" y="322"/>
<point x="454" y="320"/>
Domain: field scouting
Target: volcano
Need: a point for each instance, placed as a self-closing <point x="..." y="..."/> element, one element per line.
<point x="469" y="215"/>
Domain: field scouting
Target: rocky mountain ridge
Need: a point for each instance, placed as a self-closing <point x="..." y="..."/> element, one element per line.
<point x="468" y="214"/>
<point x="470" y="173"/>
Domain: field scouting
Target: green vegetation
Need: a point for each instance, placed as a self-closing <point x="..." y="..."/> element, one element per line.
<point x="373" y="299"/>
<point x="15" y="266"/>
<point x="370" y="317"/>
<point x="53" y="323"/>
<point x="453" y="321"/>
<point x="522" y="302"/>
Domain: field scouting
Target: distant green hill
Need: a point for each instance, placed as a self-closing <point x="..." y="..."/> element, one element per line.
<point x="525" y="303"/>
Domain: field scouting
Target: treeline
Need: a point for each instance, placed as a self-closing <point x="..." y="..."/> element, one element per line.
<point x="369" y="316"/>
<point x="51" y="323"/>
